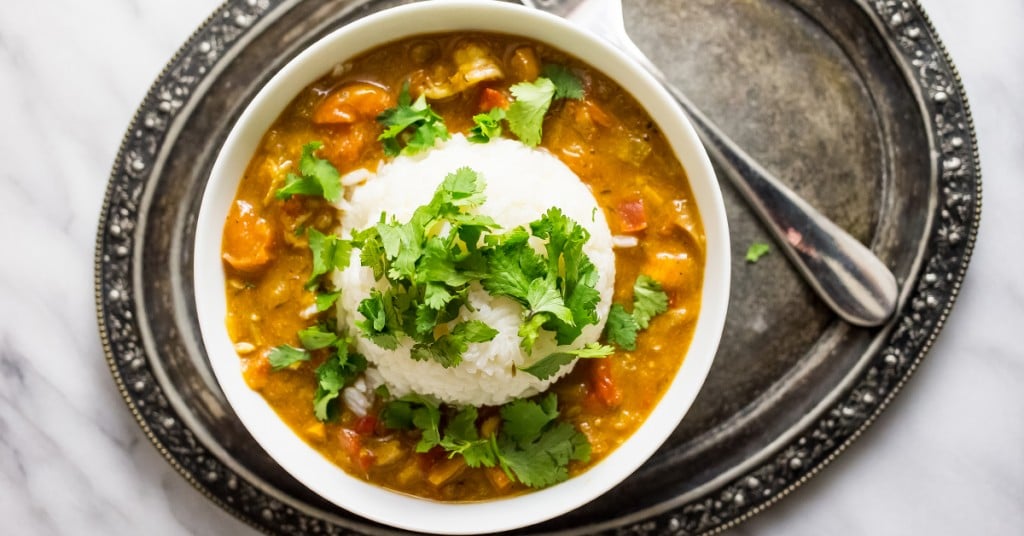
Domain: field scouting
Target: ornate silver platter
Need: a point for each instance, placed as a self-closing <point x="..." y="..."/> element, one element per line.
<point x="854" y="103"/>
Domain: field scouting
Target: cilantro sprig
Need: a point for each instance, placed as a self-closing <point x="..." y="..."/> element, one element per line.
<point x="533" y="99"/>
<point x="412" y="127"/>
<point x="317" y="177"/>
<point x="649" y="300"/>
<point x="338" y="370"/>
<point x="530" y="446"/>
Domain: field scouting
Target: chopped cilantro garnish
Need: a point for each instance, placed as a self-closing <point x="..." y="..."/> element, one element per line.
<point x="286" y="355"/>
<point x="549" y="365"/>
<point x="426" y="126"/>
<point x="536" y="449"/>
<point x="530" y="447"/>
<point x="756" y="251"/>
<point x="316" y="177"/>
<point x="526" y="113"/>
<point x="648" y="301"/>
<point x="567" y="84"/>
<point x="324" y="300"/>
<point x="329" y="253"/>
<point x="486" y="126"/>
<point x="448" y="349"/>
<point x="621" y="327"/>
<point x="317" y="337"/>
<point x="532" y="99"/>
<point x="333" y="375"/>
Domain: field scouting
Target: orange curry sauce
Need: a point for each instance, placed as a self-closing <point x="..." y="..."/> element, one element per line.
<point x="606" y="138"/>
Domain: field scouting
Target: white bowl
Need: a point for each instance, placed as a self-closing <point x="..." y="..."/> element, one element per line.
<point x="306" y="464"/>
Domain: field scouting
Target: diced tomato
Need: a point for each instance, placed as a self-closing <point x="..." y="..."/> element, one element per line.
<point x="603" y="384"/>
<point x="351" y="103"/>
<point x="491" y="99"/>
<point x="247" y="238"/>
<point x="366" y="424"/>
<point x="632" y="217"/>
<point x="352" y="444"/>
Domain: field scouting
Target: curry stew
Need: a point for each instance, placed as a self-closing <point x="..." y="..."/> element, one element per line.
<point x="606" y="138"/>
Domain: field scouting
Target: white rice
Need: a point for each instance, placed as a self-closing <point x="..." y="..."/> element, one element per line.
<point x="522" y="184"/>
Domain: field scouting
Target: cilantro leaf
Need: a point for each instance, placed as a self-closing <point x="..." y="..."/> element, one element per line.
<point x="524" y="419"/>
<point x="329" y="253"/>
<point x="547" y="366"/>
<point x="333" y="375"/>
<point x="317" y="337"/>
<point x="461" y="438"/>
<point x="567" y="84"/>
<point x="318" y="177"/>
<point x="648" y="300"/>
<point x="526" y="113"/>
<point x="543" y="297"/>
<point x="427" y="126"/>
<point x="534" y="448"/>
<point x="486" y="126"/>
<point x="448" y="348"/>
<point x="621" y="327"/>
<point x="756" y="251"/>
<point x="286" y="355"/>
<point x="324" y="300"/>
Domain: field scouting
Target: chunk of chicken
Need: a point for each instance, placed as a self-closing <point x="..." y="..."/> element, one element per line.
<point x="474" y="63"/>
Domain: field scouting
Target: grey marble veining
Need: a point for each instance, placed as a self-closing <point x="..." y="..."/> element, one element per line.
<point x="946" y="458"/>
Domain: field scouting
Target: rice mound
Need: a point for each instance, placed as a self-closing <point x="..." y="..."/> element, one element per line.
<point x="521" y="184"/>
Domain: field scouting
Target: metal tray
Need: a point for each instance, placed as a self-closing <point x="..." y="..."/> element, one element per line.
<point x="854" y="103"/>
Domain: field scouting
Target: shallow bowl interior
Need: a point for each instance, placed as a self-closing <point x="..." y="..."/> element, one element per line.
<point x="302" y="461"/>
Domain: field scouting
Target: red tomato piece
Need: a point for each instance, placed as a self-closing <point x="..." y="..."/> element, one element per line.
<point x="632" y="217"/>
<point x="491" y="99"/>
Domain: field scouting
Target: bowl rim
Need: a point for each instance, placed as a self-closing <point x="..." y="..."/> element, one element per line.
<point x="306" y="464"/>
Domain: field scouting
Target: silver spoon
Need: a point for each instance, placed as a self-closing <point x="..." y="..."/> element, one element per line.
<point x="844" y="273"/>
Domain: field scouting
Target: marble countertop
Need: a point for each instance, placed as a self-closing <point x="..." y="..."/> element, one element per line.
<point x="946" y="458"/>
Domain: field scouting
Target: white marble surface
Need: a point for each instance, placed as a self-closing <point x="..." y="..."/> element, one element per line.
<point x="947" y="458"/>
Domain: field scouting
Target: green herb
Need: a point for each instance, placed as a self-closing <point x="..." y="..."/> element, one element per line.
<point x="317" y="177"/>
<point x="461" y="438"/>
<point x="567" y="84"/>
<point x="427" y="127"/>
<point x="487" y="126"/>
<point x="324" y="300"/>
<point x="329" y="253"/>
<point x="317" y="337"/>
<point x="428" y="273"/>
<point x="526" y="113"/>
<point x="547" y="366"/>
<point x="536" y="449"/>
<point x="286" y="355"/>
<point x="333" y="375"/>
<point x="448" y="349"/>
<point x="533" y="99"/>
<point x="621" y="328"/>
<point x="756" y="251"/>
<point x="530" y="447"/>
<point x="649" y="300"/>
<point x="415" y="412"/>
<point x="558" y="291"/>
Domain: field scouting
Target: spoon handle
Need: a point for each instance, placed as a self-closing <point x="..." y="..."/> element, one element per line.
<point x="847" y="276"/>
<point x="844" y="272"/>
